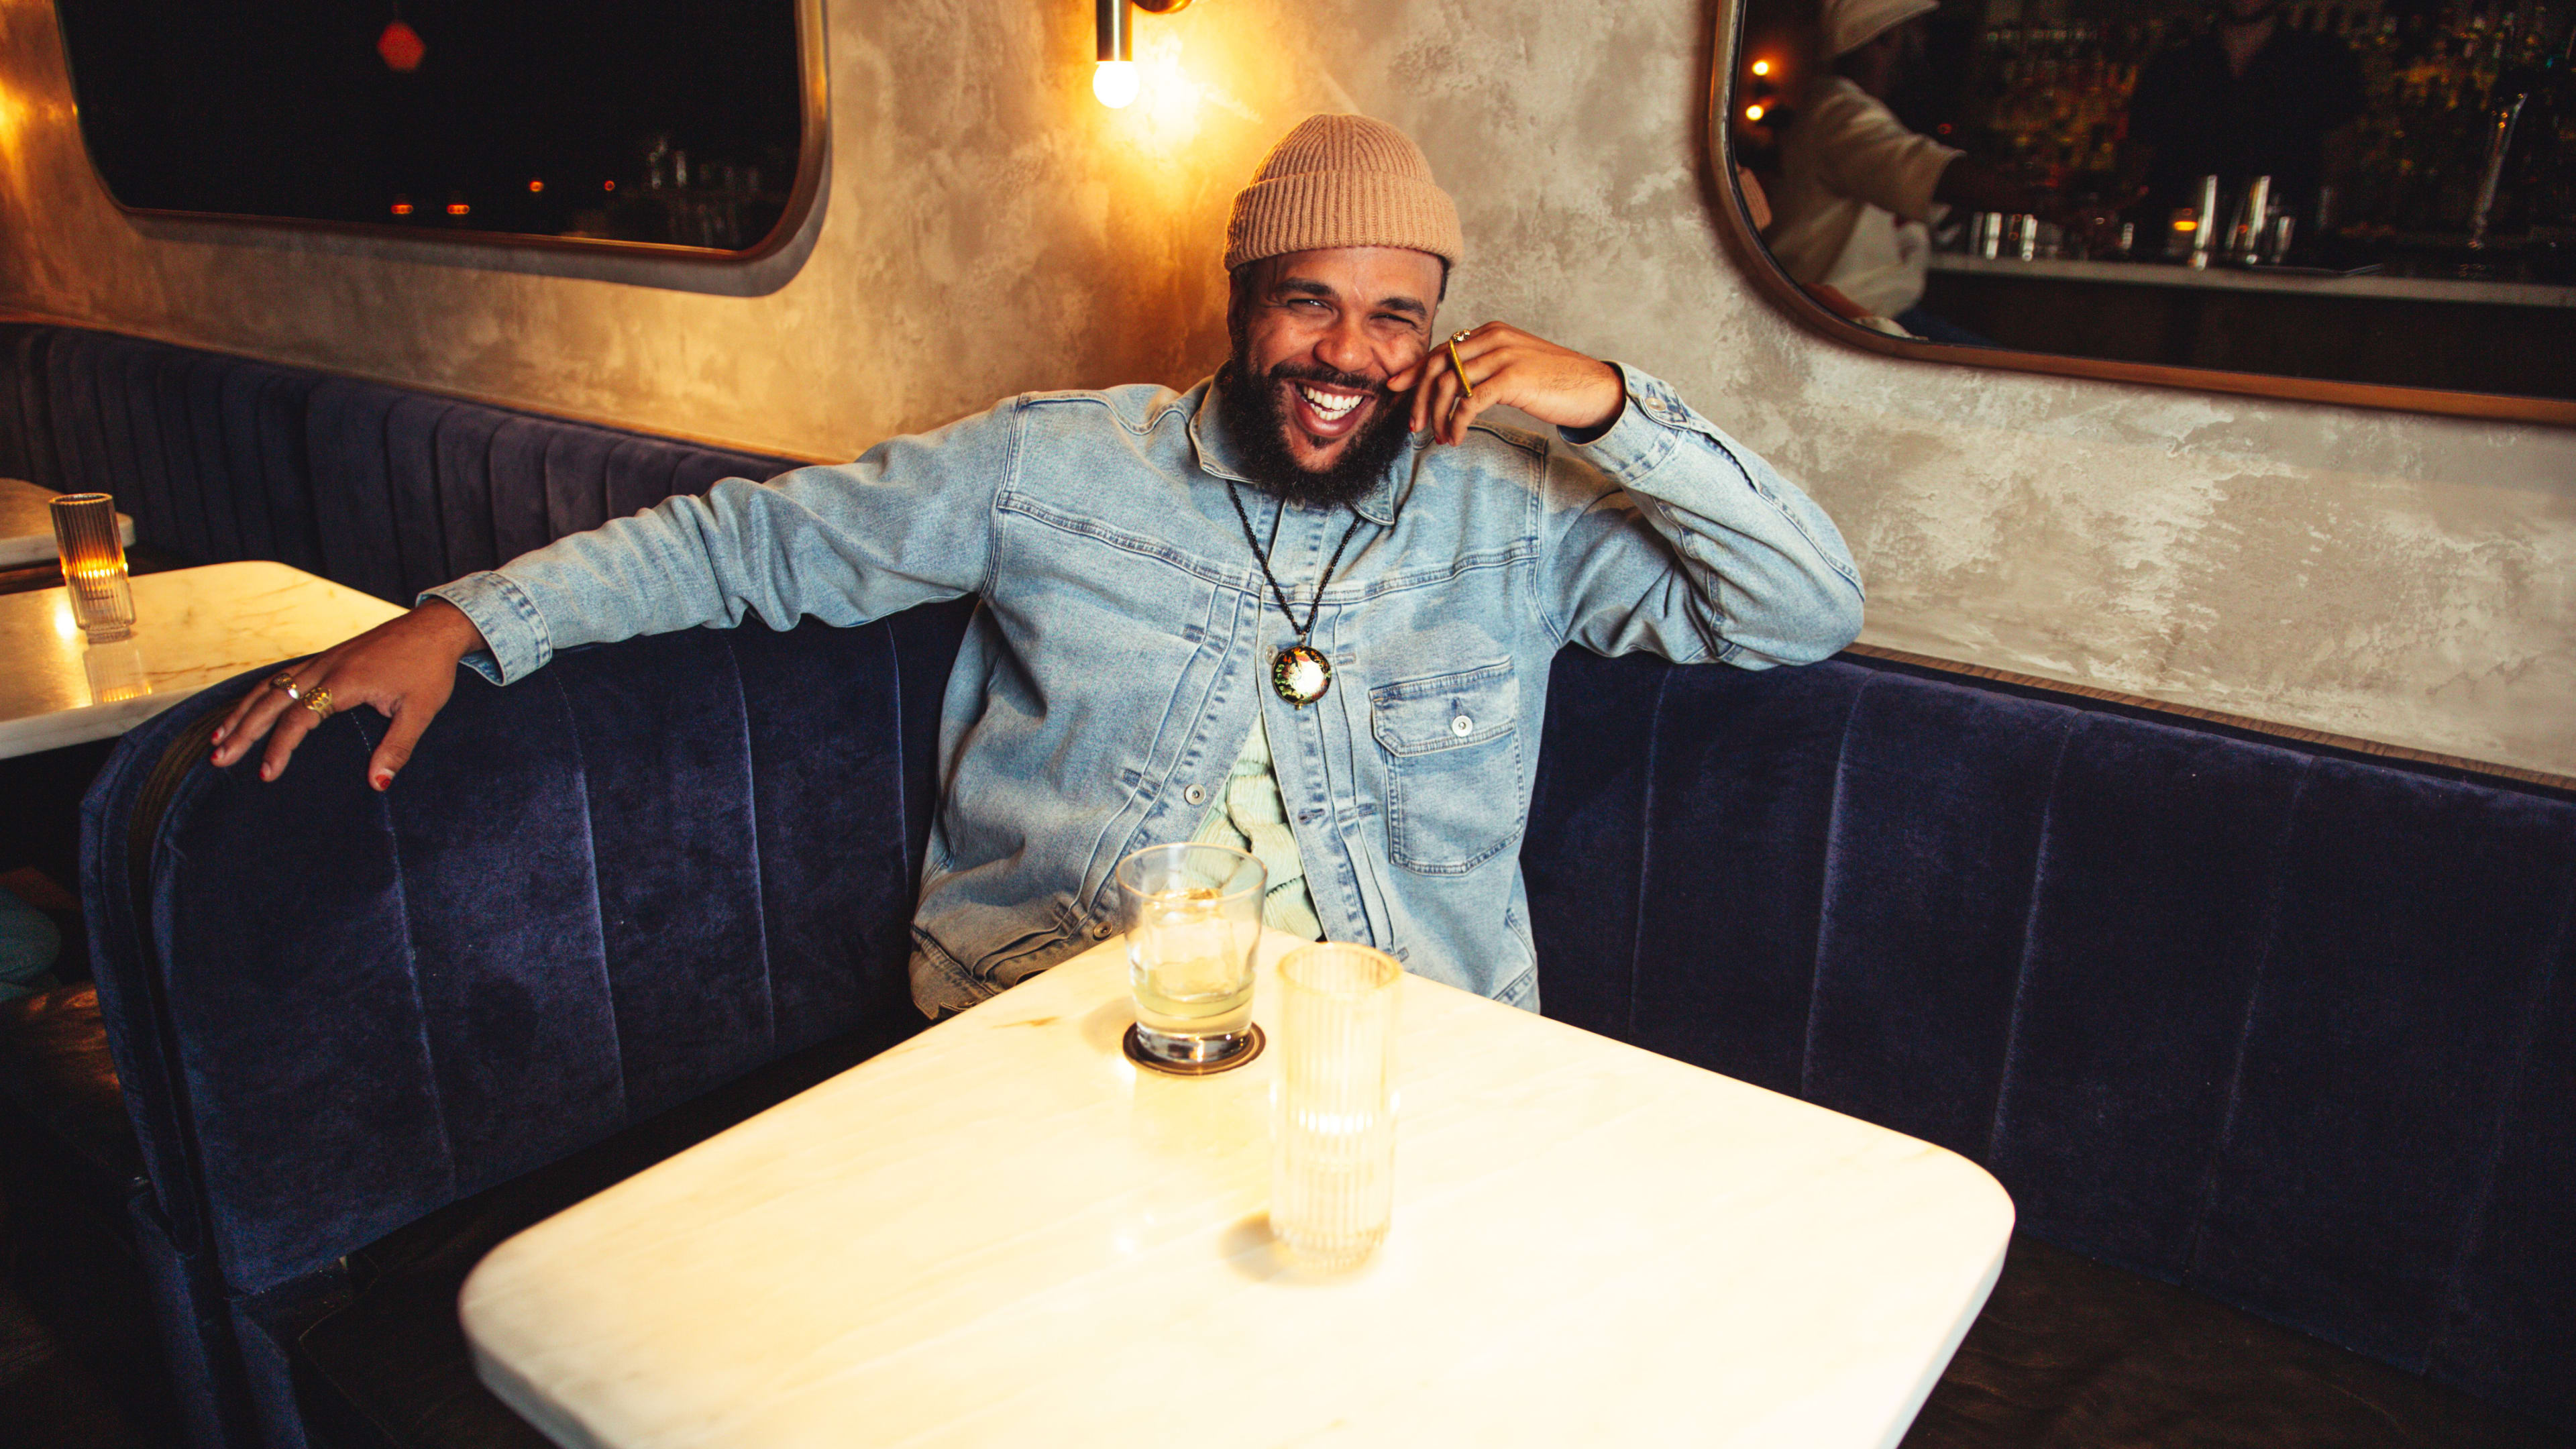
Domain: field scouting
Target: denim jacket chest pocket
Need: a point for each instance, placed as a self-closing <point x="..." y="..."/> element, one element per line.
<point x="1454" y="779"/>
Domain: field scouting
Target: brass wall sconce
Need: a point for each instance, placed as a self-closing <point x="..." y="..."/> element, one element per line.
<point x="1115" y="81"/>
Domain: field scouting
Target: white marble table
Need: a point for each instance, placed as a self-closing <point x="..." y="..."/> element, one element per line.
<point x="27" y="524"/>
<point x="192" y="628"/>
<point x="1003" y="1233"/>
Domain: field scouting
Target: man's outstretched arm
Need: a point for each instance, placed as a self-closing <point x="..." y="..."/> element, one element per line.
<point x="907" y="523"/>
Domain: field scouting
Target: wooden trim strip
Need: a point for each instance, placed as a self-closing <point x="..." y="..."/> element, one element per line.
<point x="2300" y="733"/>
<point x="1755" y="262"/>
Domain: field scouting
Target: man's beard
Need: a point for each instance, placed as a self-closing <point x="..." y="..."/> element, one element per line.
<point x="1257" y="421"/>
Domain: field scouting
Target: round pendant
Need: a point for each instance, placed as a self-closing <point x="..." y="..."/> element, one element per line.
<point x="1301" y="675"/>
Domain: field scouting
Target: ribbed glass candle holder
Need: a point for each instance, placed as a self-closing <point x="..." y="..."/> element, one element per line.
<point x="85" y="536"/>
<point x="1332" y="1141"/>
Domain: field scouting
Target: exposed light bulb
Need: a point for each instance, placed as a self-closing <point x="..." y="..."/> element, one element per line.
<point x="1115" y="82"/>
<point x="1761" y="67"/>
<point x="1753" y="113"/>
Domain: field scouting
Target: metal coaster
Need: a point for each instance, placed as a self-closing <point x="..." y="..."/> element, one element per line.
<point x="1136" y="1053"/>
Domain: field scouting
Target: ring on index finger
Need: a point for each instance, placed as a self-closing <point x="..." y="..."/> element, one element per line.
<point x="286" y="682"/>
<point x="319" y="701"/>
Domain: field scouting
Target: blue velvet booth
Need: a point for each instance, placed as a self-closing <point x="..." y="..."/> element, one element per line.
<point x="2273" y="1044"/>
<point x="600" y="894"/>
<point x="2287" y="1028"/>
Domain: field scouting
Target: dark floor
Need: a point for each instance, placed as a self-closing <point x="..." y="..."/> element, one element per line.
<point x="52" y="1393"/>
<point x="50" y="1398"/>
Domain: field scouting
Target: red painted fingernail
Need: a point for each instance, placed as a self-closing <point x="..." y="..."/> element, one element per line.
<point x="268" y="772"/>
<point x="383" y="778"/>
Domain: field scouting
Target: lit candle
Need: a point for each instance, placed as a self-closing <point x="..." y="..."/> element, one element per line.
<point x="93" y="558"/>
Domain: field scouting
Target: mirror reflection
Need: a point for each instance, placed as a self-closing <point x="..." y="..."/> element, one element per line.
<point x="2376" y="191"/>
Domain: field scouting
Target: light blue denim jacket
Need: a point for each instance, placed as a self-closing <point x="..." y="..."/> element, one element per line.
<point x="1125" y="637"/>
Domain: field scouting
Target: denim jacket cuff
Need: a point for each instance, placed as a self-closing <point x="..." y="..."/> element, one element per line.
<point x="513" y="630"/>
<point x="1641" y="437"/>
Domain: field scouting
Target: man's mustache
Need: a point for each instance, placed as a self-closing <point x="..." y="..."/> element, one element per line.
<point x="1331" y="377"/>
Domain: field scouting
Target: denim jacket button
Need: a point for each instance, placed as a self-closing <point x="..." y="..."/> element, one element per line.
<point x="1104" y="931"/>
<point x="1462" y="726"/>
<point x="1196" y="794"/>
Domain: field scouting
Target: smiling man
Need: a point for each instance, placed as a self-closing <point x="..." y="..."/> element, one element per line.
<point x="1307" y="607"/>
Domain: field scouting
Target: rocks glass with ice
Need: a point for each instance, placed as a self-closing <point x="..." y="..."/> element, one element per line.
<point x="1332" y="1139"/>
<point x="1193" y="915"/>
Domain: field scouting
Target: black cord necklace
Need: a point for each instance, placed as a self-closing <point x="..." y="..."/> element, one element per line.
<point x="1300" y="672"/>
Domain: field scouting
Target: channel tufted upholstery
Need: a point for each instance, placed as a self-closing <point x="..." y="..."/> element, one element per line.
<point x="384" y="489"/>
<point x="2286" y="1027"/>
<point x="387" y="490"/>
<point x="593" y="896"/>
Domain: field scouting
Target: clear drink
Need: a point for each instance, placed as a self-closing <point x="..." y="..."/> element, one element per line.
<point x="1190" y="966"/>
<point x="1193" y="915"/>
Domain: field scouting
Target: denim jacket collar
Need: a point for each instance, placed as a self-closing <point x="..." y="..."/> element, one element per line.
<point x="1218" y="455"/>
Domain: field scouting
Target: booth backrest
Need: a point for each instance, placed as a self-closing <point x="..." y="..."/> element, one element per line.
<point x="2289" y="1027"/>
<point x="381" y="488"/>
<point x="609" y="889"/>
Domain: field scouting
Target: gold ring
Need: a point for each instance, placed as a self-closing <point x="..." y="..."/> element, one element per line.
<point x="319" y="701"/>
<point x="286" y="681"/>
<point x="1462" y="334"/>
<point x="1462" y="368"/>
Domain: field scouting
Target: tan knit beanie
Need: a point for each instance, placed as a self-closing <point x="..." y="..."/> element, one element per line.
<point x="1342" y="181"/>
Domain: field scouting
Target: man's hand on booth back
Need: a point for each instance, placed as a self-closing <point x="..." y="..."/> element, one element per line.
<point x="405" y="668"/>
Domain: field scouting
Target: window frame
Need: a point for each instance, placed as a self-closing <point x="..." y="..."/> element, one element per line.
<point x="813" y="136"/>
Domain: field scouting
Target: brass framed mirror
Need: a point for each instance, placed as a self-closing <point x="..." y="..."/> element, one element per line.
<point x="2361" y="202"/>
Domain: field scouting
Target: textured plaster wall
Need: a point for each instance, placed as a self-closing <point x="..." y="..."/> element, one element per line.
<point x="989" y="228"/>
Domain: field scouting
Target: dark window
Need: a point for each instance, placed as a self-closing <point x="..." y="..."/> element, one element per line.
<point x="679" y="122"/>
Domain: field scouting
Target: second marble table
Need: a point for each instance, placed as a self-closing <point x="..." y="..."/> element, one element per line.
<point x="192" y="628"/>
<point x="1002" y="1232"/>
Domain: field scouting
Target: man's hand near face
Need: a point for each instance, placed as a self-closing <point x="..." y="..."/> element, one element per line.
<point x="1351" y="314"/>
<point x="404" y="667"/>
<point x="1553" y="384"/>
